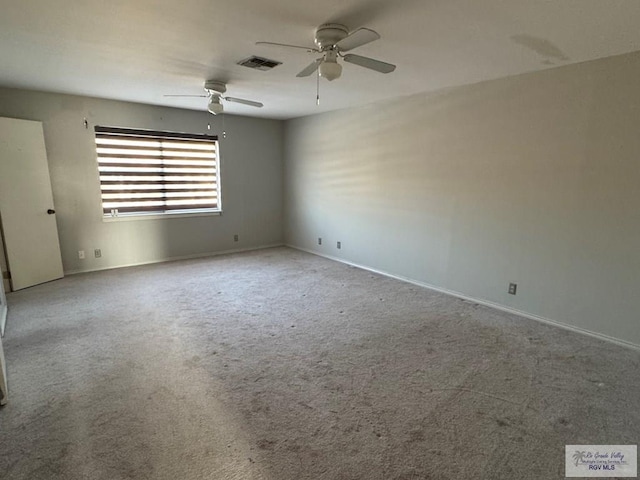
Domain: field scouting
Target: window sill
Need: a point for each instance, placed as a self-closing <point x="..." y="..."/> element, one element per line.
<point x="158" y="216"/>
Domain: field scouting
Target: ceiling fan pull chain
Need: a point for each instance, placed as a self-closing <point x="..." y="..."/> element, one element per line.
<point x="224" y="132"/>
<point x="318" y="88"/>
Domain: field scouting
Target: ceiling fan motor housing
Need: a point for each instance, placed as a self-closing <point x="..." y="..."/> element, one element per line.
<point x="329" y="34"/>
<point x="214" y="86"/>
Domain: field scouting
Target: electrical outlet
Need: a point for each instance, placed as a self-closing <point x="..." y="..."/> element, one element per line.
<point x="97" y="253"/>
<point x="319" y="240"/>
<point x="512" y="288"/>
<point x="339" y="245"/>
<point x="81" y="254"/>
<point x="235" y="237"/>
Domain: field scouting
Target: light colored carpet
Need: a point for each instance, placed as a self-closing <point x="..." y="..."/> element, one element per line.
<point x="279" y="365"/>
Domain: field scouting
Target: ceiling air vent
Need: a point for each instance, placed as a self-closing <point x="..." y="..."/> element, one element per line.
<point x="259" y="63"/>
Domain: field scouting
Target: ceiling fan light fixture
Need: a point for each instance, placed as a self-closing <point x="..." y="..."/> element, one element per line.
<point x="215" y="107"/>
<point x="330" y="68"/>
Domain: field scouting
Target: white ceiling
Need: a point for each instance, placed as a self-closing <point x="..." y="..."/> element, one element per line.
<point x="139" y="50"/>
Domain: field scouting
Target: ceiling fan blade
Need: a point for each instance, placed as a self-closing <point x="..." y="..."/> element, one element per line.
<point x="362" y="36"/>
<point x="312" y="67"/>
<point x="199" y="96"/>
<point x="308" y="49"/>
<point x="251" y="103"/>
<point x="369" y="63"/>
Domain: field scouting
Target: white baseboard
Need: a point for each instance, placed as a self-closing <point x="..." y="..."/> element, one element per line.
<point x="487" y="303"/>
<point x="174" y="259"/>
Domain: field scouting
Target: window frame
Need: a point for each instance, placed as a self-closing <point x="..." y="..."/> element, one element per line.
<point x="151" y="161"/>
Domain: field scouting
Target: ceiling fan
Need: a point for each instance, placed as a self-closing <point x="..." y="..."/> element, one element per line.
<point x="215" y="92"/>
<point x="332" y="39"/>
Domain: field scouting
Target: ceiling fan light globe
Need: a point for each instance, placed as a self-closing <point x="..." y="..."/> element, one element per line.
<point x="330" y="70"/>
<point x="215" y="107"/>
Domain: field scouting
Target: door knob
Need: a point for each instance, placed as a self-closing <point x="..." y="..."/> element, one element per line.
<point x="51" y="212"/>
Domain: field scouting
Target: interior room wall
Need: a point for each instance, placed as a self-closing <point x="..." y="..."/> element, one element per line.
<point x="251" y="173"/>
<point x="531" y="179"/>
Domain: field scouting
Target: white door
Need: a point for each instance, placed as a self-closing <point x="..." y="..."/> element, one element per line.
<point x="4" y="393"/>
<point x="3" y="368"/>
<point x="26" y="205"/>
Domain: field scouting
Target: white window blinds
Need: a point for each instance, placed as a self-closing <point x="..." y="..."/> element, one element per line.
<point x="152" y="172"/>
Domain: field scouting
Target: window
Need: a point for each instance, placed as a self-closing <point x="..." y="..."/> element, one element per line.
<point x="146" y="172"/>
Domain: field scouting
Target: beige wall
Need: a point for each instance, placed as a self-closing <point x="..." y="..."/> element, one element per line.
<point x="251" y="157"/>
<point x="532" y="179"/>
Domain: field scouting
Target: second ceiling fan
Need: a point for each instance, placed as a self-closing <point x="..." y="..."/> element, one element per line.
<point x="215" y="93"/>
<point x="332" y="39"/>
